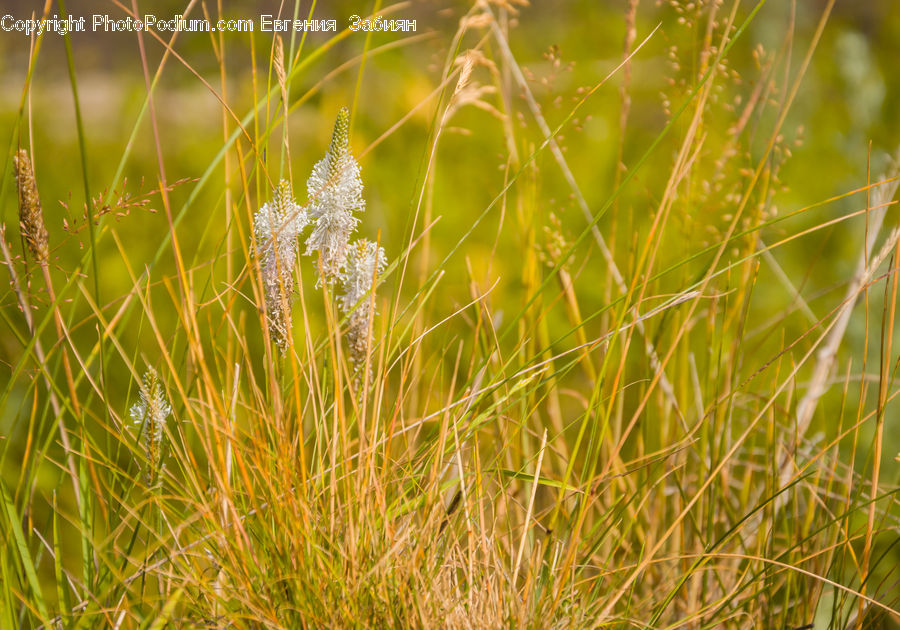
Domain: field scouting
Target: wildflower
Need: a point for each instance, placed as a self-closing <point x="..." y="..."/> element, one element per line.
<point x="335" y="193"/>
<point x="31" y="218"/>
<point x="277" y="226"/>
<point x="364" y="261"/>
<point x="151" y="412"/>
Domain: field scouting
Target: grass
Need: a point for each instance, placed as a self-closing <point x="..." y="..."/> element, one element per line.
<point x="607" y="384"/>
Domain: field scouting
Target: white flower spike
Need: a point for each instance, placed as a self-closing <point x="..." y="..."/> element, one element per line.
<point x="335" y="193"/>
<point x="365" y="260"/>
<point x="278" y="225"/>
<point x="150" y="412"/>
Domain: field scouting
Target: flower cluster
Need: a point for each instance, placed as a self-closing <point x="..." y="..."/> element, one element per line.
<point x="150" y="412"/>
<point x="364" y="262"/>
<point x="335" y="193"/>
<point x="277" y="226"/>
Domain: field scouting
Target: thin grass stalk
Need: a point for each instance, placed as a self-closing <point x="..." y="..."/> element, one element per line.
<point x="887" y="335"/>
<point x="25" y="307"/>
<point x="827" y="354"/>
<point x="616" y="275"/>
<point x="794" y="89"/>
<point x="32" y="223"/>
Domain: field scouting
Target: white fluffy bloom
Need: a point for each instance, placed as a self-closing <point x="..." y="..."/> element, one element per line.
<point x="151" y="412"/>
<point x="365" y="260"/>
<point x="335" y="193"/>
<point x="277" y="226"/>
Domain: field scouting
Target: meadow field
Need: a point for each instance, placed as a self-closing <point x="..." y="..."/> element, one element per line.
<point x="449" y="314"/>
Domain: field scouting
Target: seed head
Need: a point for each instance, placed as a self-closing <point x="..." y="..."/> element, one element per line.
<point x="31" y="218"/>
<point x="150" y="412"/>
<point x="277" y="226"/>
<point x="335" y="193"/>
<point x="365" y="260"/>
